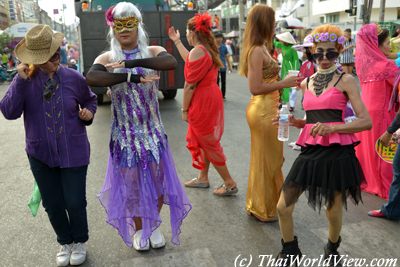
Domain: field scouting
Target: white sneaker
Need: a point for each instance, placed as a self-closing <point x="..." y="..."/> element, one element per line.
<point x="291" y="144"/>
<point x="296" y="147"/>
<point x="78" y="254"/>
<point x="157" y="239"/>
<point x="64" y="255"/>
<point x="136" y="242"/>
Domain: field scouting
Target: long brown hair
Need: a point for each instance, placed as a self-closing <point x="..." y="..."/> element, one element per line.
<point x="207" y="39"/>
<point x="259" y="31"/>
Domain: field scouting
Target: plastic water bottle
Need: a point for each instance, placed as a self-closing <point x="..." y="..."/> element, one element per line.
<point x="283" y="130"/>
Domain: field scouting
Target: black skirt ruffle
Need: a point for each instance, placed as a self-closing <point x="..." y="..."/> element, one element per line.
<point x="321" y="172"/>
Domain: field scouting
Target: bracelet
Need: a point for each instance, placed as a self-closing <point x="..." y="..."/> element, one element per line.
<point x="129" y="77"/>
<point x="177" y="42"/>
<point x="184" y="110"/>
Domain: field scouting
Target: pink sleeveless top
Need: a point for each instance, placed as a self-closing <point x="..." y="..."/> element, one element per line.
<point x="328" y="108"/>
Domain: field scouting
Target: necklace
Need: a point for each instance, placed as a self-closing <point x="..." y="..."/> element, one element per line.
<point x="322" y="78"/>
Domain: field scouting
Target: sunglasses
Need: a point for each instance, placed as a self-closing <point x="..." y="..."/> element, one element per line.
<point x="330" y="55"/>
<point x="49" y="89"/>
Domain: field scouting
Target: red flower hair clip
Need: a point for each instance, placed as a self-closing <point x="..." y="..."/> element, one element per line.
<point x="109" y="16"/>
<point x="203" y="23"/>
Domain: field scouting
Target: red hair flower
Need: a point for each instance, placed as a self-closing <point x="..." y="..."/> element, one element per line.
<point x="109" y="16"/>
<point x="203" y="23"/>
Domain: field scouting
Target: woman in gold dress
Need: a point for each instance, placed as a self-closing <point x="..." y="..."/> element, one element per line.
<point x="261" y="70"/>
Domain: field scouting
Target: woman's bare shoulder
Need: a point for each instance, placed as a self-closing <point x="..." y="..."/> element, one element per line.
<point x="196" y="53"/>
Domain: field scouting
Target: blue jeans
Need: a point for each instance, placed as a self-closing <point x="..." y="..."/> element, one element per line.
<point x="63" y="193"/>
<point x="392" y="208"/>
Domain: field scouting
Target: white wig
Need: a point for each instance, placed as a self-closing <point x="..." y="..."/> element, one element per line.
<point x="125" y="9"/>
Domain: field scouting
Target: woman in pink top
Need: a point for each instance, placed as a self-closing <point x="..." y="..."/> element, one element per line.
<point x="327" y="168"/>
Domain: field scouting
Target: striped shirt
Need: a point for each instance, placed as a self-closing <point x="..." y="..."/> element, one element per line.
<point x="347" y="56"/>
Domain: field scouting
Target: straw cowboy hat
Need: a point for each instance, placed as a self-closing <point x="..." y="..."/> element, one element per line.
<point x="286" y="37"/>
<point x="38" y="45"/>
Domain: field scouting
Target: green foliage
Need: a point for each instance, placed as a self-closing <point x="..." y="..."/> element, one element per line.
<point x="5" y="40"/>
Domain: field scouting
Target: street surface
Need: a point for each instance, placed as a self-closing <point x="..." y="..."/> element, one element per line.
<point x="216" y="231"/>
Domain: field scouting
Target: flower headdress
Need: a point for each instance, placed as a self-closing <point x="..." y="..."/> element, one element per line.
<point x="325" y="37"/>
<point x="202" y="23"/>
<point x="109" y="16"/>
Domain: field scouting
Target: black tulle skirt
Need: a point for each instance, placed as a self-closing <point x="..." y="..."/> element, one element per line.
<point x="321" y="172"/>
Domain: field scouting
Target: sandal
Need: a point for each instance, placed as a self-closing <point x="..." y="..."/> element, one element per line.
<point x="195" y="183"/>
<point x="228" y="191"/>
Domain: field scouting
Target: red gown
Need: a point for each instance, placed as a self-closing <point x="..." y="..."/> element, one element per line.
<point x="206" y="112"/>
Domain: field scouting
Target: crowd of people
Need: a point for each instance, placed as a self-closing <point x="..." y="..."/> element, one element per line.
<point x="337" y="158"/>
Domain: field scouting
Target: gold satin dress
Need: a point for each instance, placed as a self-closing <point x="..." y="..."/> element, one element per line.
<point x="266" y="158"/>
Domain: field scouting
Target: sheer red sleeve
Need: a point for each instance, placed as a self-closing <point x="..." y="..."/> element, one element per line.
<point x="196" y="70"/>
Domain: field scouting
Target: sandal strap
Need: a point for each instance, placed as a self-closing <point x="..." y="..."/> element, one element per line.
<point x="227" y="189"/>
<point x="222" y="186"/>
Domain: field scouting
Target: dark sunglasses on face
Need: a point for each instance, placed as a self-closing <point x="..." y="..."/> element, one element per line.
<point x="49" y="88"/>
<point x="330" y="55"/>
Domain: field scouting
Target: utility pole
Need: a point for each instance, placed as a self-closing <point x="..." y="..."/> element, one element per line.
<point x="367" y="11"/>
<point x="241" y="20"/>
<point x="382" y="11"/>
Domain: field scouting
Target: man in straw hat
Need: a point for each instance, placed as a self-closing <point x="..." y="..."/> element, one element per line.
<point x="290" y="61"/>
<point x="57" y="105"/>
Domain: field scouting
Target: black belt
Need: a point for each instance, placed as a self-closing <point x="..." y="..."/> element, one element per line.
<point x="324" y="115"/>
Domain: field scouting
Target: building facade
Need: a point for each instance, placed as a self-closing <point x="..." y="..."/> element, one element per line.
<point x="311" y="12"/>
<point x="29" y="11"/>
<point x="4" y="15"/>
<point x="316" y="12"/>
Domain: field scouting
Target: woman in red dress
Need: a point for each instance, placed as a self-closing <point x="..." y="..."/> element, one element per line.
<point x="202" y="103"/>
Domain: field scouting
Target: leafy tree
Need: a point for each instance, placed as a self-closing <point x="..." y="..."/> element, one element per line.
<point x="5" y="40"/>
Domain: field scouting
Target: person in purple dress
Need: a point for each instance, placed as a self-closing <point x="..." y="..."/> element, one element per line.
<point x="141" y="174"/>
<point x="57" y="105"/>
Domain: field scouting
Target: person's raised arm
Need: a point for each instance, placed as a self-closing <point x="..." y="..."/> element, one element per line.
<point x="12" y="104"/>
<point x="175" y="36"/>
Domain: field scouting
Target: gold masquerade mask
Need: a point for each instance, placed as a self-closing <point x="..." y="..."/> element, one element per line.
<point x="125" y="24"/>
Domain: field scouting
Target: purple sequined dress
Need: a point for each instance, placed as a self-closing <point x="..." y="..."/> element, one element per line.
<point x="141" y="168"/>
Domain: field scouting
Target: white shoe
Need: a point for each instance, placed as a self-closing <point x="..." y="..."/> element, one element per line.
<point x="78" y="254"/>
<point x="64" y="255"/>
<point x="136" y="242"/>
<point x="296" y="147"/>
<point x="157" y="239"/>
<point x="292" y="144"/>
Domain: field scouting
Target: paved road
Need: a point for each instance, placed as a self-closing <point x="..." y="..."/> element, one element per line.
<point x="216" y="231"/>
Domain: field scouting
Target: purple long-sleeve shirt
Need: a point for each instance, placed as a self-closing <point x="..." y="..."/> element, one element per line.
<point x="54" y="132"/>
